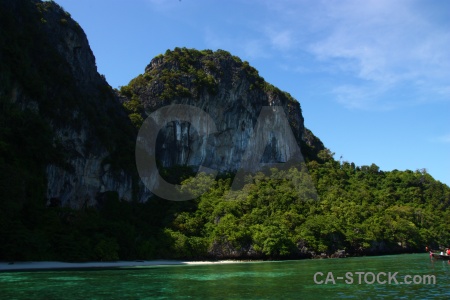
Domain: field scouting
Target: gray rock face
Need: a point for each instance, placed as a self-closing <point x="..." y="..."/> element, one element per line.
<point x="233" y="96"/>
<point x="72" y="44"/>
<point x="86" y="118"/>
<point x="87" y="176"/>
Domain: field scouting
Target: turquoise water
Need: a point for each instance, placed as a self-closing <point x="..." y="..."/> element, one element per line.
<point x="255" y="280"/>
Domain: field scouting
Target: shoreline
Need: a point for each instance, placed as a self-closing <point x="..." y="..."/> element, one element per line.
<point x="56" y="265"/>
<point x="98" y="265"/>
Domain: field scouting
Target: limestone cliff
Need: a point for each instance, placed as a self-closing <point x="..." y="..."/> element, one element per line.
<point x="49" y="70"/>
<point x="230" y="91"/>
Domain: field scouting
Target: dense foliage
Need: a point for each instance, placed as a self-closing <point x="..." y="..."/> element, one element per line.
<point x="358" y="209"/>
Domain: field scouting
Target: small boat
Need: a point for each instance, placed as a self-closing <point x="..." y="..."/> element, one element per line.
<point x="440" y="255"/>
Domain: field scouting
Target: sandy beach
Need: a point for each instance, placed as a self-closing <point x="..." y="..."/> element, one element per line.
<point x="50" y="265"/>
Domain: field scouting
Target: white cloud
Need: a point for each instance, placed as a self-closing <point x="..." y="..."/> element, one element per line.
<point x="387" y="42"/>
<point x="280" y="39"/>
<point x="382" y="44"/>
<point x="443" y="90"/>
<point x="443" y="139"/>
<point x="362" y="97"/>
<point x="254" y="48"/>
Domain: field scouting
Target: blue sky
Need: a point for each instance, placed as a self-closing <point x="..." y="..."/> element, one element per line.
<point x="372" y="77"/>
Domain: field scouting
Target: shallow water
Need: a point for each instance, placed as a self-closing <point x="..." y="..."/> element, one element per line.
<point x="254" y="280"/>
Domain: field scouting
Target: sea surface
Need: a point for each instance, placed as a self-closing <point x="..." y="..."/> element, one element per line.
<point x="351" y="278"/>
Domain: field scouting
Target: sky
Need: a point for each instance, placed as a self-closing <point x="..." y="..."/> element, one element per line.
<point x="372" y="77"/>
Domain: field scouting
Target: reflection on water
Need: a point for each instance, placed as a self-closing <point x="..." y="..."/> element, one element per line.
<point x="259" y="280"/>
